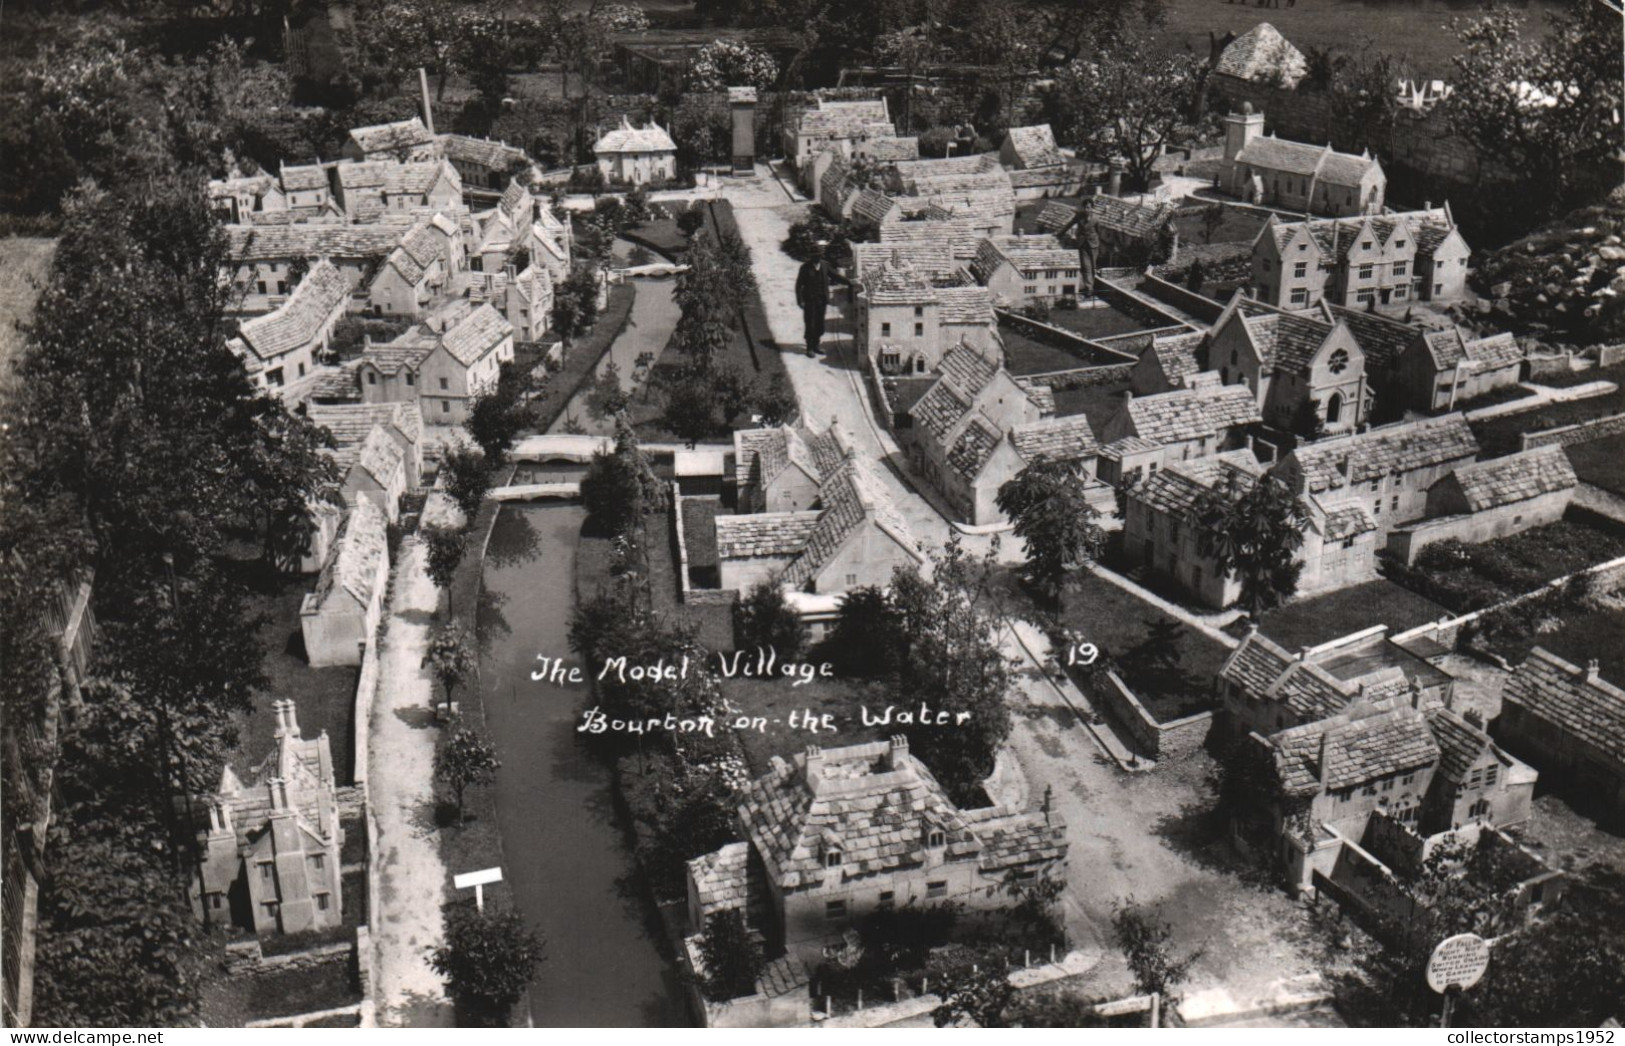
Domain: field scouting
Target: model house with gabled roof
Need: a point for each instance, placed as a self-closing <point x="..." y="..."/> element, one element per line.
<point x="341" y="614"/>
<point x="1440" y="368"/>
<point x="235" y="199"/>
<point x="1294" y="176"/>
<point x="835" y="125"/>
<point x="373" y="470"/>
<point x="416" y="272"/>
<point x="991" y="212"/>
<point x="518" y="224"/>
<point x="836" y="834"/>
<point x="467" y="358"/>
<point x="636" y="155"/>
<point x="1570" y="722"/>
<point x="265" y="258"/>
<point x="1485" y="500"/>
<point x="283" y="345"/>
<point x="269" y="852"/>
<point x="956" y="436"/>
<point x="905" y="321"/>
<point x="1390" y="467"/>
<point x="483" y="163"/>
<point x="1379" y="784"/>
<point x="1019" y="270"/>
<point x="781" y="469"/>
<point x="1168" y="362"/>
<point x="366" y="191"/>
<point x="1263" y="55"/>
<point x="1308" y="375"/>
<point x="1187" y="423"/>
<point x="401" y="141"/>
<point x="527" y="302"/>
<point x="1030" y="148"/>
<point x="350" y="424"/>
<point x="1377" y="260"/>
<point x="1161" y="528"/>
<point x="960" y="236"/>
<point x="853" y="536"/>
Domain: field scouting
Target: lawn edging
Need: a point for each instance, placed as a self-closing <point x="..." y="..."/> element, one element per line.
<point x="581" y="362"/>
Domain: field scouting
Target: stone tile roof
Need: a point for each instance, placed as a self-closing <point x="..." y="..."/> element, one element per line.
<point x="1177" y="489"/>
<point x="1262" y="53"/>
<point x="964" y="305"/>
<point x="1515" y="477"/>
<point x="1059" y="439"/>
<point x="1574" y="700"/>
<point x="304" y="177"/>
<point x="720" y="879"/>
<point x="377" y="455"/>
<point x="1054" y="216"/>
<point x="1461" y="744"/>
<point x="256" y="185"/>
<point x="358" y="550"/>
<point x="1380" y="338"/>
<point x="1388" y="449"/>
<point x="1013" y="839"/>
<point x="933" y="261"/>
<point x="478" y="333"/>
<point x="367" y="174"/>
<point x="350" y="423"/>
<point x="386" y="137"/>
<point x="1310" y="691"/>
<point x="984" y="209"/>
<point x="1118" y="449"/>
<point x="1255" y="665"/>
<point x="936" y="166"/>
<point x="874" y="207"/>
<point x="483" y="152"/>
<point x="973" y="446"/>
<point x="299" y="320"/>
<point x="1286" y="341"/>
<point x="251" y="243"/>
<point x="961" y="238"/>
<point x="764" y="534"/>
<point x="334" y="385"/>
<point x="1347" y="520"/>
<point x="938" y="410"/>
<point x="1176" y="355"/>
<point x="875" y="805"/>
<point x="1452" y="346"/>
<point x="850" y="118"/>
<point x="1353" y="749"/>
<point x="651" y="138"/>
<point x="1322" y="162"/>
<point x="1129" y="218"/>
<point x="888" y="149"/>
<point x="967" y="368"/>
<point x="1186" y="414"/>
<point x="390" y="358"/>
<point x="1035" y="146"/>
<point x="848" y="497"/>
<point x="993" y="181"/>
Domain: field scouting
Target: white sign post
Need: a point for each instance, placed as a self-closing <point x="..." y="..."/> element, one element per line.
<point x="478" y="880"/>
<point x="1457" y="964"/>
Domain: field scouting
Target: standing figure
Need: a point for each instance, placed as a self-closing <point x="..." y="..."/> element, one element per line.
<point x="1088" y="249"/>
<point x="812" y="297"/>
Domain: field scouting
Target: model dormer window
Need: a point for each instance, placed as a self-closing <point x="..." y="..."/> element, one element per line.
<point x="1339" y="362"/>
<point x="832" y="858"/>
<point x="936" y="837"/>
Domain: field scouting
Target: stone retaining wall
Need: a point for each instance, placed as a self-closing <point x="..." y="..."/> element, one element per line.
<point x="1608" y="355"/>
<point x="1171" y="740"/>
<point x="1203" y="308"/>
<point x="1568" y="435"/>
<point x="1081" y="378"/>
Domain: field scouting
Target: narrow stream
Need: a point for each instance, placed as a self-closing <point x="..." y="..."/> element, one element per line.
<point x="565" y="854"/>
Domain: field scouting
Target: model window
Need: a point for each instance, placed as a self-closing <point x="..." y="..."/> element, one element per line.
<point x="443" y="385"/>
<point x="318" y="861"/>
<point x="1399" y="268"/>
<point x="935" y="837"/>
<point x="1490" y="774"/>
<point x="411" y="379"/>
<point x="265" y="870"/>
<point x="888" y="898"/>
<point x="321" y="902"/>
<point x="1300" y="296"/>
<point x="1366" y="271"/>
<point x="445" y="406"/>
<point x="1300" y="269"/>
<point x="919" y="310"/>
<point x="938" y="888"/>
<point x="919" y="330"/>
<point x="835" y="909"/>
<point x="885" y="330"/>
<point x="832" y="858"/>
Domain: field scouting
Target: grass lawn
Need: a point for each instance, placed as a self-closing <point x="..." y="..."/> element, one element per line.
<point x="1320" y="619"/>
<point x="324" y="697"/>
<point x="700" y="534"/>
<point x="1096" y="323"/>
<point x="1600" y="463"/>
<point x="25" y="262"/>
<point x="1099" y="402"/>
<point x="660" y="235"/>
<point x="1500" y="435"/>
<point x="1487" y="573"/>
<point x="1238" y="225"/>
<point x="231" y="1002"/>
<point x="1169" y="666"/>
<point x="1577" y="634"/>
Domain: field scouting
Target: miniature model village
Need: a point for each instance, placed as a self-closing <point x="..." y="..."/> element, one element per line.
<point x="605" y="516"/>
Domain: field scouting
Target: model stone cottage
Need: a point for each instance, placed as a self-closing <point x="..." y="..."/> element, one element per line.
<point x="637" y="155"/>
<point x="836" y="834"/>
<point x="270" y="852"/>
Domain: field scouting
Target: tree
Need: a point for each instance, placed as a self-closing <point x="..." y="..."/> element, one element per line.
<point x="488" y="960"/>
<point x="1255" y="534"/>
<point x="722" y="64"/>
<point x="951" y="660"/>
<point x="620" y="487"/>
<point x="445" y="551"/>
<point x="1124" y="98"/>
<point x="1145" y="940"/>
<point x="690" y="221"/>
<point x="765" y="619"/>
<point x="1545" y="106"/>
<point x="606" y="397"/>
<point x="1053" y="517"/>
<point x="465" y="758"/>
<point x="451" y="657"/>
<point x="974" y="987"/>
<point x="867" y="633"/>
<point x="692" y="412"/>
<point x="773" y="399"/>
<point x="916" y="48"/>
<point x="468" y="478"/>
<point x="709" y="294"/>
<point x="499" y="412"/>
<point x="731" y="954"/>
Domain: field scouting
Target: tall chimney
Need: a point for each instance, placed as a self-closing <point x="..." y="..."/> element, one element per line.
<point x="1592" y="670"/>
<point x="291" y="718"/>
<point x="428" y="108"/>
<point x="279" y="709"/>
<point x="815" y="766"/>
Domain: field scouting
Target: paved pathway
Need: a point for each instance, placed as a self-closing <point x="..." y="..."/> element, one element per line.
<point x="406" y="916"/>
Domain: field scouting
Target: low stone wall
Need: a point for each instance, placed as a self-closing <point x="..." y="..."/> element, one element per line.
<point x="1072" y="340"/>
<point x="1550" y="366"/>
<point x="1608" y="355"/>
<point x="248" y="957"/>
<point x="1171" y="740"/>
<point x="1182" y="298"/>
<point x="687" y="593"/>
<point x="1568" y="435"/>
<point x="1080" y="378"/>
<point x="1139" y="306"/>
<point x="1605" y="577"/>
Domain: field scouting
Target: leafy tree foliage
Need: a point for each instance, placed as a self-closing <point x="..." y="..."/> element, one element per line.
<point x="692" y="411"/>
<point x="489" y="959"/>
<point x="607" y="397"/>
<point x="730" y="63"/>
<point x="445" y="551"/>
<point x="1046" y="503"/>
<point x="499" y="412"/>
<point x="1255" y="534"/>
<point x="465" y="758"/>
<point x="468" y="478"/>
<point x="867" y="633"/>
<point x="1124" y="96"/>
<point x="1145" y="940"/>
<point x="620" y="487"/>
<point x="732" y="956"/>
<point x="451" y="657"/>
<point x="974" y="987"/>
<point x="690" y="221"/>
<point x="765" y="619"/>
<point x="1565" y="281"/>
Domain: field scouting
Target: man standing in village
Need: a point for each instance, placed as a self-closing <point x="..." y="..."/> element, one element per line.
<point x="1088" y="237"/>
<point x="812" y="297"/>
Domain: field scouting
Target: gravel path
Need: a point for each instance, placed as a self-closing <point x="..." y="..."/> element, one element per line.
<point x="406" y="914"/>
